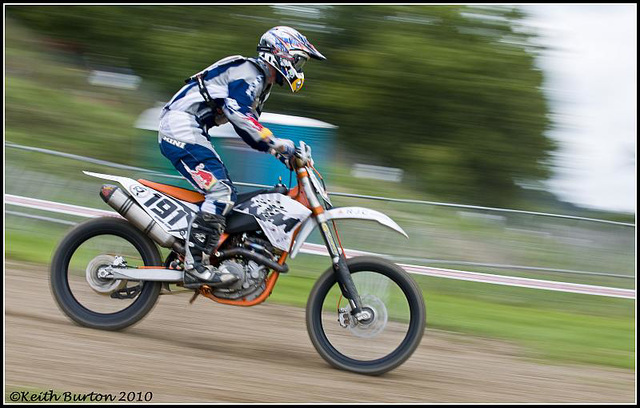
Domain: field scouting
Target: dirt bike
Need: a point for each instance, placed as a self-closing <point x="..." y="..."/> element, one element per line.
<point x="364" y="314"/>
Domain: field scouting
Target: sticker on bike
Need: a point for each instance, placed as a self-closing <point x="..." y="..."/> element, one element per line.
<point x="277" y="215"/>
<point x="172" y="215"/>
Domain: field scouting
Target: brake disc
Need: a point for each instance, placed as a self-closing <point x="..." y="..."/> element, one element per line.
<point x="376" y="324"/>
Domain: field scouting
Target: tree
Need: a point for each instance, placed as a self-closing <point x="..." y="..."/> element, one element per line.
<point x="450" y="94"/>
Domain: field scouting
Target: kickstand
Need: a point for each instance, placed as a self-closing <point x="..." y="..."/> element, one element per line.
<point x="195" y="295"/>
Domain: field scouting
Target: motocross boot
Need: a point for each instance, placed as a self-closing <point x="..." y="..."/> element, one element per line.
<point x="203" y="236"/>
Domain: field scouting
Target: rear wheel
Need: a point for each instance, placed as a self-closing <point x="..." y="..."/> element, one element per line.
<point x="77" y="274"/>
<point x="379" y="344"/>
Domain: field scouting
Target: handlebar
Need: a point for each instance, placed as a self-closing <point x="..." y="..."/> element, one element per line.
<point x="302" y="156"/>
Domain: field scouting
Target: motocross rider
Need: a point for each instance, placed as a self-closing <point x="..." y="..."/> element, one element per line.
<point x="233" y="90"/>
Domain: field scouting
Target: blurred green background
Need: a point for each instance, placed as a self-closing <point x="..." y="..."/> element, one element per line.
<point x="437" y="91"/>
<point x="450" y="94"/>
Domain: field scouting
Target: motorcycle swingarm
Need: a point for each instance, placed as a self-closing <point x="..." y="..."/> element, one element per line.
<point x="144" y="274"/>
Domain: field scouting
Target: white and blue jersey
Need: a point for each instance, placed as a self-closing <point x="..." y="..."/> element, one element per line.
<point x="239" y="88"/>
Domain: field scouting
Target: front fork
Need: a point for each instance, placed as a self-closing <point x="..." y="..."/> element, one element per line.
<point x="338" y="258"/>
<point x="343" y="276"/>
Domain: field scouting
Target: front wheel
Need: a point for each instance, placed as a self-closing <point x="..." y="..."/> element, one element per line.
<point x="379" y="344"/>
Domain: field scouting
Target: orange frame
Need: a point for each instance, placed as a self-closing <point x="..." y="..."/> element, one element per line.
<point x="297" y="194"/>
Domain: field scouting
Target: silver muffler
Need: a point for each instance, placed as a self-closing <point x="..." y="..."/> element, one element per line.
<point x="126" y="206"/>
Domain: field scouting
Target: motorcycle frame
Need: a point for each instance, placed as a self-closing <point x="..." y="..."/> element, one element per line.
<point x="305" y="195"/>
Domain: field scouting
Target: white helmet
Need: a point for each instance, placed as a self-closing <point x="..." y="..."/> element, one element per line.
<point x="287" y="50"/>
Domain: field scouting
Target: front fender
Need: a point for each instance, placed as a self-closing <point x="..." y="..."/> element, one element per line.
<point x="342" y="213"/>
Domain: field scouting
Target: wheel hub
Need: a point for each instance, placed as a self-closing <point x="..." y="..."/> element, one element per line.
<point x="98" y="278"/>
<point x="371" y="326"/>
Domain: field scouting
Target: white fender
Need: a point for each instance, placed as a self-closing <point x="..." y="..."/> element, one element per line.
<point x="125" y="181"/>
<point x="343" y="213"/>
<point x="134" y="188"/>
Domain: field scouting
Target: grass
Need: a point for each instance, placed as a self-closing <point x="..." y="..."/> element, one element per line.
<point x="49" y="102"/>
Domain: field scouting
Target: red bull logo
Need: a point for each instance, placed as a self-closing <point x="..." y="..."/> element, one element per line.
<point x="203" y="178"/>
<point x="256" y="125"/>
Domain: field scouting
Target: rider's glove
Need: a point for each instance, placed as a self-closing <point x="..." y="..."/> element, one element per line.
<point x="283" y="149"/>
<point x="303" y="155"/>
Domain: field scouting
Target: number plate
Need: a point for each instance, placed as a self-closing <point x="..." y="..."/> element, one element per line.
<point x="171" y="214"/>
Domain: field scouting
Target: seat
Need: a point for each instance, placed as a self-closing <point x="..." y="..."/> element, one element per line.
<point x="242" y="197"/>
<point x="195" y="197"/>
<point x="180" y="193"/>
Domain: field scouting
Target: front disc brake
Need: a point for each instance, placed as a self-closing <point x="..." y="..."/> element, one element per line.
<point x="372" y="326"/>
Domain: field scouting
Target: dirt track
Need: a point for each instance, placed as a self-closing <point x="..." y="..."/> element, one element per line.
<point x="208" y="352"/>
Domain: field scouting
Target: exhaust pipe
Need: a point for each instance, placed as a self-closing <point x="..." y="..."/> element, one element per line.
<point x="126" y="206"/>
<point x="261" y="259"/>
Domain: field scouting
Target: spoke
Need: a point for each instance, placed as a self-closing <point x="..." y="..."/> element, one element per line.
<point x="88" y="284"/>
<point x="374" y="339"/>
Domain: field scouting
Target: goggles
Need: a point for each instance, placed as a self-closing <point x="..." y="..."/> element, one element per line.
<point x="299" y="60"/>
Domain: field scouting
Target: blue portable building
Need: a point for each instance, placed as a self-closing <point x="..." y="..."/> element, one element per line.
<point x="244" y="163"/>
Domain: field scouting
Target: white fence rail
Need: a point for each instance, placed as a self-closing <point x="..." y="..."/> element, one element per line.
<point x="315" y="249"/>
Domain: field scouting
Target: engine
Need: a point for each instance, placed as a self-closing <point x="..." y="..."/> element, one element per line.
<point x="251" y="275"/>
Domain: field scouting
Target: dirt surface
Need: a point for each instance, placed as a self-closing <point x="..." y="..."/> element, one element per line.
<point x="207" y="352"/>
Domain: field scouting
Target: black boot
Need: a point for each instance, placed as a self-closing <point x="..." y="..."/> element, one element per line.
<point x="204" y="234"/>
